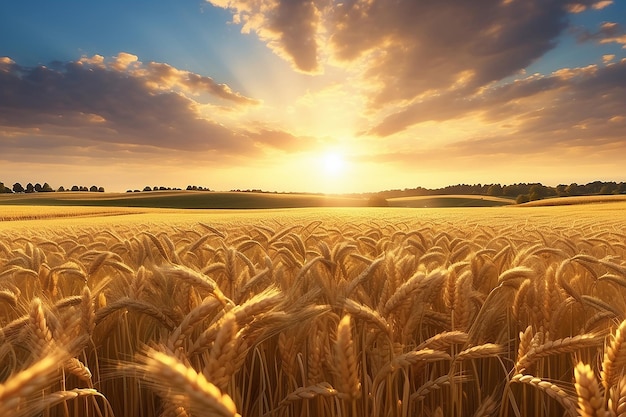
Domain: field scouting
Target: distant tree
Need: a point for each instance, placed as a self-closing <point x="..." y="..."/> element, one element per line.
<point x="538" y="191"/>
<point x="494" y="190"/>
<point x="83" y="188"/>
<point x="17" y="188"/>
<point x="561" y="190"/>
<point x="522" y="198"/>
<point x="147" y="188"/>
<point x="608" y="188"/>
<point x="93" y="189"/>
<point x="38" y="187"/>
<point x="75" y="188"/>
<point x="2" y="187"/>
<point x="100" y="189"/>
<point x="61" y="189"/>
<point x="593" y="187"/>
<point x="377" y="201"/>
<point x="514" y="190"/>
<point x="30" y="188"/>
<point x="621" y="188"/>
<point x="573" y="189"/>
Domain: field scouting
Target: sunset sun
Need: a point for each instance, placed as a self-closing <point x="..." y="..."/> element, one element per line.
<point x="333" y="164"/>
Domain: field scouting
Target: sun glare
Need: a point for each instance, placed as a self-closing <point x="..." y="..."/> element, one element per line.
<point x="333" y="164"/>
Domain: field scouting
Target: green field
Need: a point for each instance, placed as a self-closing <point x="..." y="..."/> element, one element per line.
<point x="182" y="199"/>
<point x="237" y="200"/>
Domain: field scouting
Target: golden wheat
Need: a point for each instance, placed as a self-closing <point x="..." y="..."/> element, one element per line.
<point x="335" y="312"/>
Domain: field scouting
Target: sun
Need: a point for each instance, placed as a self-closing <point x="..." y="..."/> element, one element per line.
<point x="333" y="164"/>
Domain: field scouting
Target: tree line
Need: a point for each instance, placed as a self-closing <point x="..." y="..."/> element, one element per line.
<point x="522" y="192"/>
<point x="45" y="188"/>
<point x="161" y="188"/>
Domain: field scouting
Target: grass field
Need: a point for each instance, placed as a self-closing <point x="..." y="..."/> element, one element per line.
<point x="450" y="201"/>
<point x="182" y="199"/>
<point x="501" y="311"/>
<point x="236" y="200"/>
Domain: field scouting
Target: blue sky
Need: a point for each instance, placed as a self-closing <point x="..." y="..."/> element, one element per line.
<point x="257" y="94"/>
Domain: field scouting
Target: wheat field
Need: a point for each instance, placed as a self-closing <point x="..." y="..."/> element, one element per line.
<point x="325" y="312"/>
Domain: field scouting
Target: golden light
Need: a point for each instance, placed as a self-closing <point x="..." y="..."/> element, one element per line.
<point x="333" y="164"/>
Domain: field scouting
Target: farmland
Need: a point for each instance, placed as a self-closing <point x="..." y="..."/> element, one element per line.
<point x="182" y="199"/>
<point x="135" y="311"/>
<point x="236" y="200"/>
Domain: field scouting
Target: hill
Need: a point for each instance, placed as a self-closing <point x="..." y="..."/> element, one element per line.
<point x="569" y="201"/>
<point x="182" y="199"/>
<point x="450" y="201"/>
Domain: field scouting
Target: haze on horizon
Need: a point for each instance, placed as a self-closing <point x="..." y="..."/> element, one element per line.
<point x="312" y="95"/>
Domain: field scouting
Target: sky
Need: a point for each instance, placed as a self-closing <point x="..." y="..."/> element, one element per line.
<point x="323" y="96"/>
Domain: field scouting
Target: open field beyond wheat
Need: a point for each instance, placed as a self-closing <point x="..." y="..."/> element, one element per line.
<point x="313" y="312"/>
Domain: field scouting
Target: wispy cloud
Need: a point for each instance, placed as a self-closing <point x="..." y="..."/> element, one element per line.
<point x="609" y="32"/>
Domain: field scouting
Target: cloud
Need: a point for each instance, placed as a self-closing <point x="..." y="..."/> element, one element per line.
<point x="407" y="48"/>
<point x="609" y="32"/>
<point x="579" y="7"/>
<point x="165" y="77"/>
<point x="573" y="111"/>
<point x="281" y="140"/>
<point x="418" y="47"/>
<point x="120" y="105"/>
<point x="290" y="28"/>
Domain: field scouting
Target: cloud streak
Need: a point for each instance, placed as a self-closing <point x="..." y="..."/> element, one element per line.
<point x="609" y="32"/>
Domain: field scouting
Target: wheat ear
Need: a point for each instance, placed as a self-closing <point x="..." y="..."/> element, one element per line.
<point x="172" y="379"/>
<point x="22" y="385"/>
<point x="614" y="357"/>
<point x="348" y="383"/>
<point x="41" y="335"/>
<point x="481" y="351"/>
<point x="565" y="345"/>
<point x="220" y="367"/>
<point x="195" y="316"/>
<point x="443" y="340"/>
<point x="590" y="399"/>
<point x="617" y="400"/>
<point x="407" y="359"/>
<point x="323" y="389"/>
<point x="552" y="390"/>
